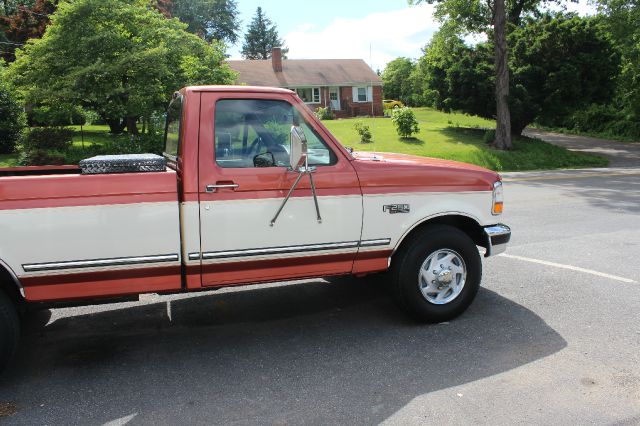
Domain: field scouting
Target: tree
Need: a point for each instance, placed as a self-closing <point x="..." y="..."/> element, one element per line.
<point x="24" y="22"/>
<point x="119" y="58"/>
<point x="455" y="76"/>
<point x="261" y="37"/>
<point x="397" y="79"/>
<point x="547" y="84"/>
<point x="11" y="116"/>
<point x="208" y="19"/>
<point x="490" y="17"/>
<point x="622" y="18"/>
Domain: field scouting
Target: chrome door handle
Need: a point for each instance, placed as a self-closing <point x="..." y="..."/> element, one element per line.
<point x="213" y="188"/>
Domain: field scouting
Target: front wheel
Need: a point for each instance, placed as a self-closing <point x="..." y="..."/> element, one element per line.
<point x="9" y="329"/>
<point x="437" y="274"/>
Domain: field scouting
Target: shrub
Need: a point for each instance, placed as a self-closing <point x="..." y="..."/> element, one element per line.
<point x="11" y="121"/>
<point x="56" y="116"/>
<point x="92" y="117"/>
<point x="364" y="131"/>
<point x="405" y="121"/>
<point x="40" y="157"/>
<point x="489" y="136"/>
<point x="47" y="138"/>
<point x="324" y="113"/>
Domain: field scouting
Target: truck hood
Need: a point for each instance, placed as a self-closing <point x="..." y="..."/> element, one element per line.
<point x="389" y="172"/>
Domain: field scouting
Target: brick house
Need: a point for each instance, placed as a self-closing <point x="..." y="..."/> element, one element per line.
<point x="348" y="86"/>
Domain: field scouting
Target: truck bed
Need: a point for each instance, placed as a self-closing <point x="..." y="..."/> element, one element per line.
<point x="67" y="235"/>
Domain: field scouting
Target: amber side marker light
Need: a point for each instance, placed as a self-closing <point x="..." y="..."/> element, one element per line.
<point x="498" y="198"/>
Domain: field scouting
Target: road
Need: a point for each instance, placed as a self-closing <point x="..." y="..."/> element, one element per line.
<point x="553" y="338"/>
<point x="619" y="154"/>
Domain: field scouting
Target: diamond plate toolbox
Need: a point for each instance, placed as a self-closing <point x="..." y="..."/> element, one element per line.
<point x="127" y="163"/>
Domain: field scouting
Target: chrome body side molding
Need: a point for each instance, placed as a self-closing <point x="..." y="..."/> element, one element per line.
<point x="94" y="263"/>
<point x="266" y="251"/>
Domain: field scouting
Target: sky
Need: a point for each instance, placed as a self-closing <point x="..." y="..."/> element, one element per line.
<point x="376" y="31"/>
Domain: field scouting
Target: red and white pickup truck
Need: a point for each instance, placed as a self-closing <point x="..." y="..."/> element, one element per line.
<point x="237" y="205"/>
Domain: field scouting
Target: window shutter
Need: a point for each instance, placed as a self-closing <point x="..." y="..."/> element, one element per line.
<point x="369" y="94"/>
<point x="354" y="93"/>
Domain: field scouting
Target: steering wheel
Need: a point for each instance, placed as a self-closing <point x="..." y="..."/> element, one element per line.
<point x="255" y="147"/>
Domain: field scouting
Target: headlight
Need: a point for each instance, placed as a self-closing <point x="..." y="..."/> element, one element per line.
<point x="498" y="198"/>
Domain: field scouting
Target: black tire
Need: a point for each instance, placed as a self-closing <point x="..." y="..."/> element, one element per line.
<point x="406" y="269"/>
<point x="9" y="330"/>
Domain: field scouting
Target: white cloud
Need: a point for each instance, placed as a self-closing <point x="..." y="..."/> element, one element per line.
<point x="392" y="34"/>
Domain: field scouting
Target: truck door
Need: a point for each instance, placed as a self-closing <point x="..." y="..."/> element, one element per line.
<point x="244" y="175"/>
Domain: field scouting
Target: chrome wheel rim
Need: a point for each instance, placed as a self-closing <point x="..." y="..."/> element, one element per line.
<point x="442" y="276"/>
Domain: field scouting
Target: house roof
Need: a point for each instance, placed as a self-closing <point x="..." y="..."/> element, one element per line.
<point x="306" y="72"/>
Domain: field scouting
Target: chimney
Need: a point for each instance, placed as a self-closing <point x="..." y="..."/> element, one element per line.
<point x="276" y="59"/>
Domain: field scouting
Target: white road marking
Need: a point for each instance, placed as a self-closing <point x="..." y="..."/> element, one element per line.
<point x="571" y="268"/>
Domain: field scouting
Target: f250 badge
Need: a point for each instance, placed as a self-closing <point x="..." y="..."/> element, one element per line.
<point x="396" y="208"/>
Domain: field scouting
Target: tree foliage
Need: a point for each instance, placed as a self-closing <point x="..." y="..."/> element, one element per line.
<point x="494" y="18"/>
<point x="261" y="37"/>
<point x="208" y="19"/>
<point x="24" y="20"/>
<point x="559" y="64"/>
<point x="623" y="20"/>
<point x="397" y="79"/>
<point x="11" y="116"/>
<point x="119" y="58"/>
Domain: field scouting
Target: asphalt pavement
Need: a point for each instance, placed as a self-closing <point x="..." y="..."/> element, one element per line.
<point x="553" y="338"/>
<point x="619" y="154"/>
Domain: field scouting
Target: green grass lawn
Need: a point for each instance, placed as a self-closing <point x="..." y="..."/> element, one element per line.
<point x="449" y="136"/>
<point x="94" y="135"/>
<point x="459" y="137"/>
<point x="8" y="160"/>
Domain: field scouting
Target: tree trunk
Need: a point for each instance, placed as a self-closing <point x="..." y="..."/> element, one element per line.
<point x="132" y="126"/>
<point x="116" y="126"/>
<point x="503" y="116"/>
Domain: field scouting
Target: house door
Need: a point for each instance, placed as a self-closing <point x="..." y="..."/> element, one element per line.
<point x="334" y="98"/>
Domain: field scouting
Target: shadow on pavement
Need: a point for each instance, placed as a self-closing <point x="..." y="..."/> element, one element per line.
<point x="306" y="353"/>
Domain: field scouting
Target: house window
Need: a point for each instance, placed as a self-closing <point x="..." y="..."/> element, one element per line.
<point x="362" y="93"/>
<point x="309" y="95"/>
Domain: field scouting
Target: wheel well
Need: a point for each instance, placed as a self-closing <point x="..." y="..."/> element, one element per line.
<point x="9" y="285"/>
<point x="464" y="223"/>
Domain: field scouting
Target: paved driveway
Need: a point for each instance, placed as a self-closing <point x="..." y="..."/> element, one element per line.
<point x="620" y="154"/>
<point x="553" y="338"/>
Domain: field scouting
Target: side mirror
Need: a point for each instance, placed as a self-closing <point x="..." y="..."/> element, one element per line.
<point x="298" y="148"/>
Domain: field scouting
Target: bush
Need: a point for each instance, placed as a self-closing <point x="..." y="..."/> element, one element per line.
<point x="11" y="121"/>
<point x="40" y="157"/>
<point x="55" y="116"/>
<point x="47" y="139"/>
<point x="405" y="121"/>
<point x="92" y="117"/>
<point x="324" y="113"/>
<point x="364" y="132"/>
<point x="489" y="136"/>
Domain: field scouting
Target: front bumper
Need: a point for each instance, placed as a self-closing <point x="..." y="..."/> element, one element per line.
<point x="497" y="237"/>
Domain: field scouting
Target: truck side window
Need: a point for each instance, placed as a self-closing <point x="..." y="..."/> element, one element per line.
<point x="172" y="128"/>
<point x="255" y="133"/>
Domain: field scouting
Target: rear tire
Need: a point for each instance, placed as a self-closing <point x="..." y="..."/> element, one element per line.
<point x="436" y="275"/>
<point x="9" y="330"/>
